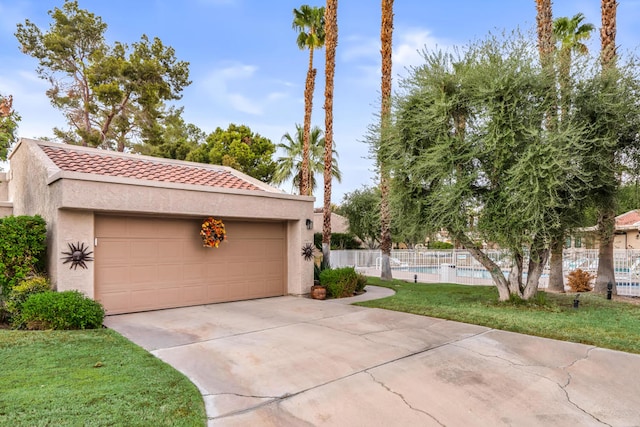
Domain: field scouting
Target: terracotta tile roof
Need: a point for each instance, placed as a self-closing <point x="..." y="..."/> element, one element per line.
<point x="628" y="218"/>
<point x="111" y="165"/>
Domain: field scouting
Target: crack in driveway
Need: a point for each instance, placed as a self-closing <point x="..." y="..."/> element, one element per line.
<point x="564" y="368"/>
<point x="403" y="398"/>
<point x="286" y="396"/>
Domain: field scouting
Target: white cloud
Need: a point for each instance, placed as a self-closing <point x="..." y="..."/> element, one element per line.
<point x="358" y="47"/>
<point x="244" y="104"/>
<point x="407" y="47"/>
<point x="243" y="88"/>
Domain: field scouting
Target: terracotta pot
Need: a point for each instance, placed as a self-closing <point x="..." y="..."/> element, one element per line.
<point x="318" y="292"/>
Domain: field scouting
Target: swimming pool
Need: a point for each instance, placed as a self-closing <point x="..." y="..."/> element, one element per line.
<point x="477" y="273"/>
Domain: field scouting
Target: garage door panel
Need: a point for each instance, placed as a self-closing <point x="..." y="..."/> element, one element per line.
<point x="274" y="249"/>
<point x="151" y="263"/>
<point x="272" y="269"/>
<point x="113" y="277"/>
<point x="170" y="273"/>
<point x="113" y="251"/>
<point x="144" y="274"/>
<point x="239" y="290"/>
<point x="117" y="302"/>
<point x="192" y="295"/>
<point x="170" y="249"/>
<point x="217" y="292"/>
<point x="143" y="250"/>
<point x="195" y="272"/>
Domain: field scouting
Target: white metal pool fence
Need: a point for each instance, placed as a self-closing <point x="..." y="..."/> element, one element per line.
<point x="458" y="266"/>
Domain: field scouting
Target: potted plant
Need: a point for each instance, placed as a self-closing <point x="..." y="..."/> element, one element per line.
<point x="317" y="290"/>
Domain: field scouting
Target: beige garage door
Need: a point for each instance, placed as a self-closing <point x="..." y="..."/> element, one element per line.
<point x="150" y="263"/>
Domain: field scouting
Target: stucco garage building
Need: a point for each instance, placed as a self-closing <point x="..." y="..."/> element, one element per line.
<point x="141" y="217"/>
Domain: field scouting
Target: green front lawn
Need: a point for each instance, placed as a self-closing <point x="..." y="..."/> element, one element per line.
<point x="90" y="378"/>
<point x="598" y="321"/>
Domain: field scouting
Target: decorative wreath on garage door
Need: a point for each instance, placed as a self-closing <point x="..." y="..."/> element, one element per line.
<point x="212" y="232"/>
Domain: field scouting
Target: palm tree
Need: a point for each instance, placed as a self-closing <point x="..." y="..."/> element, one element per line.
<point x="608" y="31"/>
<point x="386" y="36"/>
<point x="331" y="37"/>
<point x="570" y="33"/>
<point x="290" y="165"/>
<point x="606" y="213"/>
<point x="309" y="22"/>
<point x="544" y="21"/>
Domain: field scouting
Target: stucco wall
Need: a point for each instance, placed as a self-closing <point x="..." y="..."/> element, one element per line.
<point x="77" y="228"/>
<point x="6" y="207"/>
<point x="4" y="187"/>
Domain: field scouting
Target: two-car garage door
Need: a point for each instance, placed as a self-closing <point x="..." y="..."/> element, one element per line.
<point x="152" y="263"/>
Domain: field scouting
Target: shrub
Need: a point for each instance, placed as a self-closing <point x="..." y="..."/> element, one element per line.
<point x="440" y="245"/>
<point x="340" y="282"/>
<point x="22" y="249"/>
<point x="339" y="241"/>
<point x="361" y="282"/>
<point x="61" y="310"/>
<point x="580" y="280"/>
<point x="22" y="291"/>
<point x="317" y="270"/>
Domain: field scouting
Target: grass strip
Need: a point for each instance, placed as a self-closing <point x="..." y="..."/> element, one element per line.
<point x="598" y="321"/>
<point x="90" y="378"/>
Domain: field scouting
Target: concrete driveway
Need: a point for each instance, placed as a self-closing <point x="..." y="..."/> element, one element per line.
<point x="291" y="361"/>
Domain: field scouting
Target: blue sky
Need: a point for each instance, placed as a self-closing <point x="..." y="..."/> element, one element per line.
<point x="247" y="69"/>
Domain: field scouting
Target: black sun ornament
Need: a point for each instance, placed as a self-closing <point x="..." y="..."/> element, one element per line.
<point x="77" y="255"/>
<point x="307" y="251"/>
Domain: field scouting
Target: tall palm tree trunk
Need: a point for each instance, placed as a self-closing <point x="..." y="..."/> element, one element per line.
<point x="544" y="21"/>
<point x="606" y="213"/>
<point x="331" y="42"/>
<point x="546" y="47"/>
<point x="386" y="39"/>
<point x="608" y="32"/>
<point x="305" y="188"/>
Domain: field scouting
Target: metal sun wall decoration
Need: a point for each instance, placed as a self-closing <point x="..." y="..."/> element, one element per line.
<point x="77" y="255"/>
<point x="307" y="251"/>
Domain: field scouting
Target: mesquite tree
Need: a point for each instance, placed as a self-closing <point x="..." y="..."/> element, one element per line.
<point x="471" y="141"/>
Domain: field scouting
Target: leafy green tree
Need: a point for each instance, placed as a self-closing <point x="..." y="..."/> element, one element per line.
<point x="105" y="92"/>
<point x="8" y="125"/>
<point x="608" y="104"/>
<point x="170" y="137"/>
<point x="628" y="197"/>
<point x="361" y="207"/>
<point x="290" y="165"/>
<point x="237" y="147"/>
<point x="308" y="21"/>
<point x="470" y="136"/>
